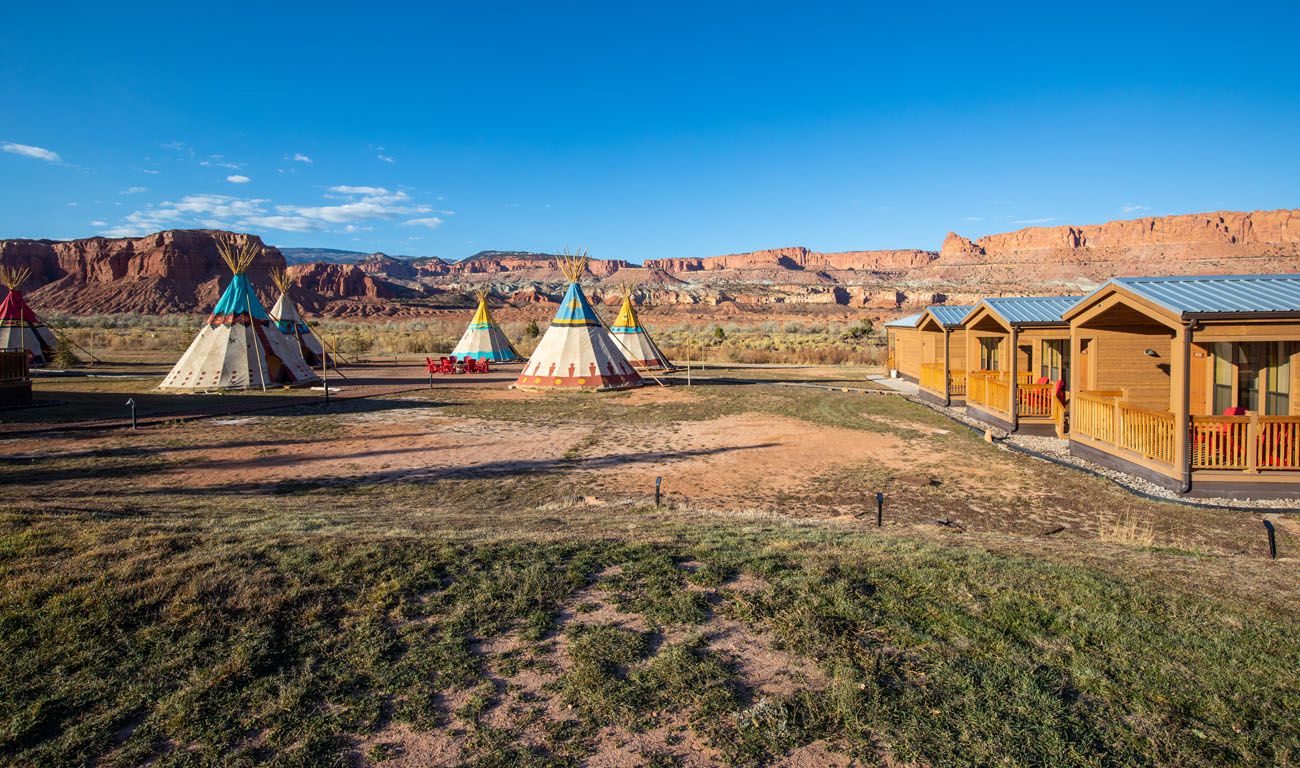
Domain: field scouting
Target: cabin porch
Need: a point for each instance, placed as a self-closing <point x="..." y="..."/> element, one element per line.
<point x="1211" y="404"/>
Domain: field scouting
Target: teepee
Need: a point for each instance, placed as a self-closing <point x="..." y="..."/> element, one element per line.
<point x="633" y="340"/>
<point x="20" y="328"/>
<point x="576" y="352"/>
<point x="484" y="339"/>
<point x="239" y="347"/>
<point x="285" y="315"/>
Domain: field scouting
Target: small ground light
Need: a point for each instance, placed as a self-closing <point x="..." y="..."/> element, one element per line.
<point x="131" y="404"/>
<point x="880" y="509"/>
<point x="658" y="482"/>
<point x="1272" y="539"/>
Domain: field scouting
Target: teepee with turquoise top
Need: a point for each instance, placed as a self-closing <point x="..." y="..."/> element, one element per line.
<point x="239" y="347"/>
<point x="576" y="352"/>
<point x="484" y="339"/>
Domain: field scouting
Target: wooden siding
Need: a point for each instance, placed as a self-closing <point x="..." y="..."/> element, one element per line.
<point x="907" y="351"/>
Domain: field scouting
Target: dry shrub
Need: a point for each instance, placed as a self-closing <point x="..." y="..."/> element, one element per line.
<point x="1128" y="530"/>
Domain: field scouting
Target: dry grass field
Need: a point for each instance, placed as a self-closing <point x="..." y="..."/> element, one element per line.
<point x="465" y="574"/>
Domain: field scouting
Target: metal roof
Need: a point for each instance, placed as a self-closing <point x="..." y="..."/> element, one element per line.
<point x="949" y="316"/>
<point x="1217" y="294"/>
<point x="1030" y="310"/>
<point x="904" y="322"/>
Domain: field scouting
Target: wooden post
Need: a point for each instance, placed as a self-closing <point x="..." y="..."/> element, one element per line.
<point x="1179" y="396"/>
<point x="1252" y="444"/>
<point x="947" y="375"/>
<point x="1013" y="386"/>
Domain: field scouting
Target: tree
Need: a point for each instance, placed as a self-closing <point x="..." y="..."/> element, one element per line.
<point x="532" y="331"/>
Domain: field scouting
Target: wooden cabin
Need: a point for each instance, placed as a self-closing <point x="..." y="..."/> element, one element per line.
<point x="1191" y="382"/>
<point x="904" y="347"/>
<point x="1018" y="356"/>
<point x="943" y="354"/>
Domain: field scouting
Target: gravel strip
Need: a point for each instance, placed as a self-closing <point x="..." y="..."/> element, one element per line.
<point x="1058" y="450"/>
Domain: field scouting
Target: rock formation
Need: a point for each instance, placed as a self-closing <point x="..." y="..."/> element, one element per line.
<point x="180" y="271"/>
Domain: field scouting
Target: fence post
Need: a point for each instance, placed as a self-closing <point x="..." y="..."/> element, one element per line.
<point x="1117" y="423"/>
<point x="1252" y="444"/>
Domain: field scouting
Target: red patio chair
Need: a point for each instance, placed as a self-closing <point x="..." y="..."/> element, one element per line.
<point x="483" y="366"/>
<point x="471" y="365"/>
<point x="1044" y="380"/>
<point x="447" y="365"/>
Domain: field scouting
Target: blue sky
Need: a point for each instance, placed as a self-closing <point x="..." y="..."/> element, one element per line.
<point x="639" y="130"/>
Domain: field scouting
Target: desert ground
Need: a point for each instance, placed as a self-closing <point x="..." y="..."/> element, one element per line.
<point x="455" y="572"/>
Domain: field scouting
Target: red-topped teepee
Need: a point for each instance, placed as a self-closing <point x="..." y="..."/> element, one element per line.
<point x="20" y="327"/>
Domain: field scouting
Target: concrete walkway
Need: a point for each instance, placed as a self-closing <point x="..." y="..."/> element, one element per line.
<point x="898" y="385"/>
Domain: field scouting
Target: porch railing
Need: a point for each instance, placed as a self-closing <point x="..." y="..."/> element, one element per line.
<point x="932" y="377"/>
<point x="957" y="383"/>
<point x="1250" y="443"/>
<point x="1103" y="416"/>
<point x="1035" y="399"/>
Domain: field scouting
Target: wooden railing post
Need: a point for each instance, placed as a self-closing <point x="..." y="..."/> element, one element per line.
<point x="1116" y="435"/>
<point x="1252" y="444"/>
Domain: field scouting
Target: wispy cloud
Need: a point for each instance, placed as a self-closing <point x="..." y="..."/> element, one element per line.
<point x="353" y="207"/>
<point x="220" y="161"/>
<point x="1134" y="208"/>
<point x="133" y="190"/>
<point x="27" y="150"/>
<point x="1042" y="220"/>
<point x="299" y="157"/>
<point x="98" y="223"/>
<point x="385" y="158"/>
<point x="238" y="178"/>
<point x="972" y="218"/>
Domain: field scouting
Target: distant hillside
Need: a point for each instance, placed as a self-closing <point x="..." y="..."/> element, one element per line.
<point x="330" y="256"/>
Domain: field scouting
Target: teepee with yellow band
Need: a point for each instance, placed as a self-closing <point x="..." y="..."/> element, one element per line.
<point x="576" y="352"/>
<point x="484" y="339"/>
<point x="633" y="340"/>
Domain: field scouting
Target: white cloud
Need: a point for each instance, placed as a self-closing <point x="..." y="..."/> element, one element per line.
<point x="98" y="223"/>
<point x="972" y="218"/>
<point x="1134" y="208"/>
<point x="238" y="179"/>
<point x="344" y="189"/>
<point x="220" y="161"/>
<point x="385" y="158"/>
<point x="133" y="190"/>
<point x="27" y="150"/>
<point x="150" y="171"/>
<point x="299" y="157"/>
<point x="1042" y="220"/>
<point x="359" y="204"/>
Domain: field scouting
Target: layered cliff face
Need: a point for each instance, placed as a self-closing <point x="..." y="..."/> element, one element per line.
<point x="1259" y="241"/>
<point x="167" y="272"/>
<point x="180" y="270"/>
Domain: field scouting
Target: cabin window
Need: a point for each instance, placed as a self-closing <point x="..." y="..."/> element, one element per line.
<point x="989" y="349"/>
<point x="1055" y="360"/>
<point x="1255" y="376"/>
<point x="1277" y="379"/>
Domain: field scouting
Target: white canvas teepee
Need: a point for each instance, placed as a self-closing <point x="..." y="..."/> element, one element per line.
<point x="633" y="340"/>
<point x="239" y="347"/>
<point x="484" y="339"/>
<point x="284" y="313"/>
<point x="20" y="328"/>
<point x="576" y="352"/>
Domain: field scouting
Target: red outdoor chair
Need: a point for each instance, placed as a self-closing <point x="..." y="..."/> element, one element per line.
<point x="447" y="365"/>
<point x="483" y="366"/>
<point x="1044" y="380"/>
<point x="471" y="365"/>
